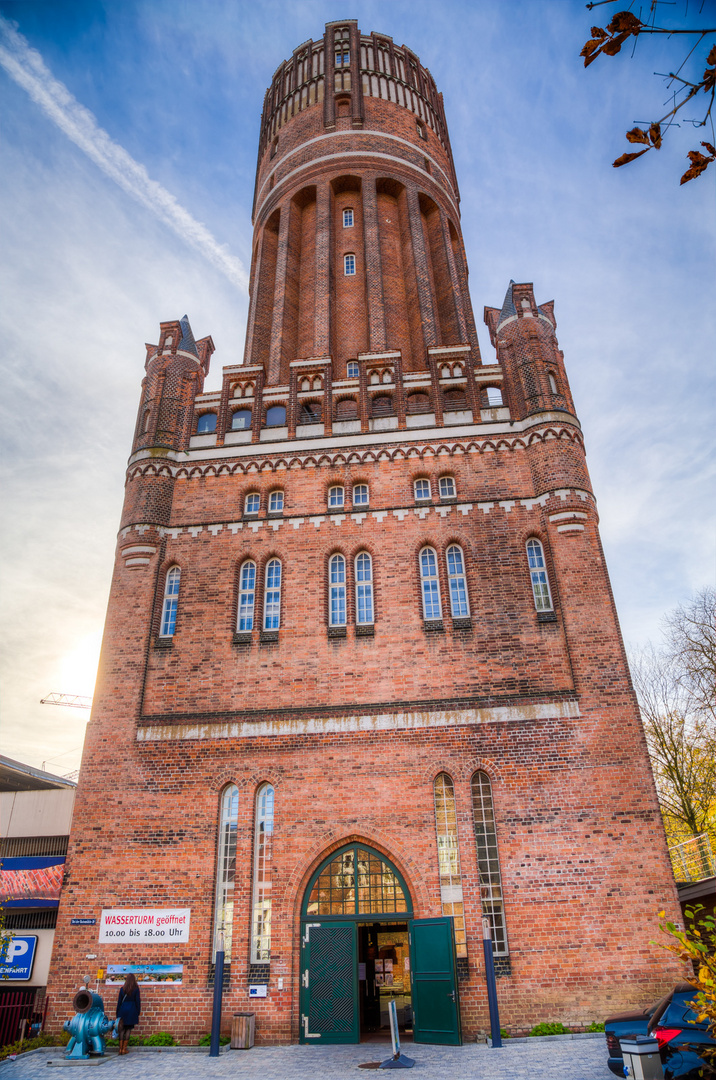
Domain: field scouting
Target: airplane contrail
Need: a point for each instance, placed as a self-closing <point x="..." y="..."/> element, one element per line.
<point x="25" y="65"/>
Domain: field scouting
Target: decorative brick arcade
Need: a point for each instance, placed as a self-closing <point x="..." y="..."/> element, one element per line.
<point x="360" y="598"/>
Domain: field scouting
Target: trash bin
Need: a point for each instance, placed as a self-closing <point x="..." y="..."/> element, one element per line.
<point x="641" y="1058"/>
<point x="243" y="1028"/>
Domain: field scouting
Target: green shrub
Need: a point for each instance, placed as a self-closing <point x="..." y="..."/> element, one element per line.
<point x="557" y="1028"/>
<point x="595" y="1026"/>
<point x="159" y="1038"/>
<point x="505" y="1034"/>
<point x="205" y="1040"/>
<point x="28" y="1044"/>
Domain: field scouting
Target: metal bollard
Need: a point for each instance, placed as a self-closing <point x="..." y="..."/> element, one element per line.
<point x="87" y="1027"/>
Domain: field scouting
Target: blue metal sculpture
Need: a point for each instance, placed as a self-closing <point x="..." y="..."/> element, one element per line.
<point x="88" y="1026"/>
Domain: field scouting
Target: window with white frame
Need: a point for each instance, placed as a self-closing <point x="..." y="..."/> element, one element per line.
<point x="360" y="495"/>
<point x="449" y="858"/>
<point x="226" y="869"/>
<point x="336" y="497"/>
<point x="364" y="589"/>
<point x="538" y="576"/>
<point x="349" y="265"/>
<point x="488" y="863"/>
<point x="272" y="596"/>
<point x="447" y="487"/>
<point x="263" y="855"/>
<point x="252" y="503"/>
<point x="348" y="218"/>
<point x="352" y="370"/>
<point x="247" y="598"/>
<point x="458" y="588"/>
<point x="171" y="602"/>
<point x="430" y="584"/>
<point x="276" y="502"/>
<point x="337" y="591"/>
<point x="421" y="489"/>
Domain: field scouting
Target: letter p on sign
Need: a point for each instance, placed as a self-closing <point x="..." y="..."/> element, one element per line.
<point x="17" y="947"/>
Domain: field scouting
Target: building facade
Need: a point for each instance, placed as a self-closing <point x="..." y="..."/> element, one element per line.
<point x="362" y="683"/>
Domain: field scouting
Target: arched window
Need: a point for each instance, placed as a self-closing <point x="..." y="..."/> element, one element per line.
<point x="447" y="487"/>
<point x="449" y="858"/>
<point x="337" y="593"/>
<point x="336" y="497"/>
<point x="263" y="854"/>
<point x="352" y="370"/>
<point x="171" y="601"/>
<point x="431" y="588"/>
<point x="276" y="416"/>
<point x="252" y="503"/>
<point x="422" y="490"/>
<point x="276" y="502"/>
<point x="347" y="409"/>
<point x="349" y="265"/>
<point x="226" y="869"/>
<point x="455" y="401"/>
<point x="241" y="420"/>
<point x="272" y="596"/>
<point x="538" y="576"/>
<point x="310" y="413"/>
<point x="458" y="589"/>
<point x="206" y="424"/>
<point x="360" y="494"/>
<point x="552" y="383"/>
<point x="348" y="218"/>
<point x="364" y="589"/>
<point x="357" y="881"/>
<point x="418" y="403"/>
<point x="488" y="863"/>
<point x="494" y="397"/>
<point x="247" y="598"/>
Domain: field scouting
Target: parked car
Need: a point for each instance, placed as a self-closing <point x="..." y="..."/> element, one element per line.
<point x="674" y="1025"/>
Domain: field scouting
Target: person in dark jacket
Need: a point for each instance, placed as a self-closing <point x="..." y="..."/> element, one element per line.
<point x="129" y="1007"/>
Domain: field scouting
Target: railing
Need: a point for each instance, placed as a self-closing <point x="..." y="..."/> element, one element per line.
<point x="693" y="860"/>
<point x="19" y="1005"/>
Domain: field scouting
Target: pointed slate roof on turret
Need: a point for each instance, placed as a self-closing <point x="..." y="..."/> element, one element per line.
<point x="187" y="343"/>
<point x="508" y="307"/>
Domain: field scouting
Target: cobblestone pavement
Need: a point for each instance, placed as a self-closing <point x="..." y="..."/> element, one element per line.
<point x="535" y="1059"/>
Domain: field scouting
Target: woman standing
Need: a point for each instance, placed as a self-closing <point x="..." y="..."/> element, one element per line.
<point x="129" y="1007"/>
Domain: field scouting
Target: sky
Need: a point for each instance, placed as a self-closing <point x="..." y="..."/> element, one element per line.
<point x="128" y="158"/>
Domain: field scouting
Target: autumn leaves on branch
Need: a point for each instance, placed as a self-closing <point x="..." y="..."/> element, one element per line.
<point x="610" y="40"/>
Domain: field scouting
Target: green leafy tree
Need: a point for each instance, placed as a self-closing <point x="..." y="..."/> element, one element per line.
<point x="608" y="41"/>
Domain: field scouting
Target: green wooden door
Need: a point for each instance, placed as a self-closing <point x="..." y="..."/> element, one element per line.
<point x="329" y="983"/>
<point x="436" y="1006"/>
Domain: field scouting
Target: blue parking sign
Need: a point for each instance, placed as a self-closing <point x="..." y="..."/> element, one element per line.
<point x="20" y="958"/>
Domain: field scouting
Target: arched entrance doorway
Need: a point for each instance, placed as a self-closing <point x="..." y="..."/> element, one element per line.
<point x="362" y="949"/>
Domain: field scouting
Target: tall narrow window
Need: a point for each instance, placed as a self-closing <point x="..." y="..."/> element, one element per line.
<point x="458" y="589"/>
<point x="364" y="589"/>
<point x="171" y="601"/>
<point x="226" y="869"/>
<point x="552" y="382"/>
<point x="263" y="853"/>
<point x="449" y="858"/>
<point x="431" y="588"/>
<point x="348" y="218"/>
<point x="337" y="591"/>
<point x="247" y="598"/>
<point x="272" y="596"/>
<point x="349" y="265"/>
<point x="538" y="576"/>
<point x="488" y="863"/>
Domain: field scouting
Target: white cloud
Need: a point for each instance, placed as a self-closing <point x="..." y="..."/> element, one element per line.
<point x="27" y="68"/>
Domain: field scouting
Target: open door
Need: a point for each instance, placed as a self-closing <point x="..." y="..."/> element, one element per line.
<point x="329" y="983"/>
<point x="436" y="1005"/>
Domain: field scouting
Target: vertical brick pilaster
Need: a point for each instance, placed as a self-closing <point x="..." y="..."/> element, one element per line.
<point x="279" y="301"/>
<point x="322" y="336"/>
<point x="373" y="268"/>
<point x="328" y="400"/>
<point x="422" y="272"/>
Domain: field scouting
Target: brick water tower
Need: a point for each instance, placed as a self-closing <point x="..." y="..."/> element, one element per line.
<point x="362" y="681"/>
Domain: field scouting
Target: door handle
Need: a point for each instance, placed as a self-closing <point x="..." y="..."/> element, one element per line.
<point x="451" y="994"/>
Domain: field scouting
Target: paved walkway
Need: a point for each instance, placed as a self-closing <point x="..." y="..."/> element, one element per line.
<point x="535" y="1059"/>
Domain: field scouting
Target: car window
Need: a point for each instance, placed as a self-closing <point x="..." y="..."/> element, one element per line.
<point x="678" y="1014"/>
<point x="658" y="1009"/>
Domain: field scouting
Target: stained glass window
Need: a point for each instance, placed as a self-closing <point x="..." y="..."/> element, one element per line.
<point x="357" y="882"/>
